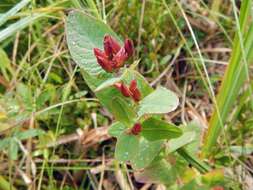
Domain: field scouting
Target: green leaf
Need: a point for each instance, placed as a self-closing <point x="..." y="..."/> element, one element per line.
<point x="181" y="141"/>
<point x="146" y="153"/>
<point x="156" y="129"/>
<point x="213" y="177"/>
<point x="158" y="172"/>
<point x="29" y="134"/>
<point x="126" y="148"/>
<point x="54" y="77"/>
<point x="122" y="111"/>
<point x="108" y="83"/>
<point x="4" y="143"/>
<point x="194" y="126"/>
<point x="116" y="129"/>
<point x="242" y="150"/>
<point x="13" y="149"/>
<point x="160" y="101"/>
<point x="193" y="185"/>
<point x="25" y="94"/>
<point x="93" y="81"/>
<point x="191" y="138"/>
<point x="83" y="34"/>
<point x="47" y="95"/>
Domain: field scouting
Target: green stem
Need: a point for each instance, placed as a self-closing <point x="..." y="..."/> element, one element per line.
<point x="195" y="162"/>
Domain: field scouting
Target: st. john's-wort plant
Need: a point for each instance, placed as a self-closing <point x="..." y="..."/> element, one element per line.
<point x="158" y="151"/>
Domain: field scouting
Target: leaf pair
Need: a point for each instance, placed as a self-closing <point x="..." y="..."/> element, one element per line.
<point x="141" y="150"/>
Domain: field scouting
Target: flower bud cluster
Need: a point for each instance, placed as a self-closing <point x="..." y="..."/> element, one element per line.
<point x="113" y="57"/>
<point x="131" y="91"/>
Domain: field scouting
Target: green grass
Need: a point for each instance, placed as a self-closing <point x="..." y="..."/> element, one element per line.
<point x="42" y="89"/>
<point x="236" y="74"/>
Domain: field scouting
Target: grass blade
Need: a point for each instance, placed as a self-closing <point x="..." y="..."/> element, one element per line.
<point x="234" y="78"/>
<point x="13" y="11"/>
<point x="19" y="25"/>
<point x="195" y="162"/>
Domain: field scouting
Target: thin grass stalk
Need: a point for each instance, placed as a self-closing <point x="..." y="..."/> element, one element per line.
<point x="4" y="17"/>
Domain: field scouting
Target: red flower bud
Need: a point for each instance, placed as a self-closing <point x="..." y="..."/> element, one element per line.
<point x="129" y="47"/>
<point x="113" y="56"/>
<point x="120" y="58"/>
<point x="102" y="60"/>
<point x="123" y="89"/>
<point x="136" y="94"/>
<point x="111" y="46"/>
<point x="105" y="64"/>
<point x="133" y="85"/>
<point x="132" y="91"/>
<point x="136" y="129"/>
<point x="99" y="52"/>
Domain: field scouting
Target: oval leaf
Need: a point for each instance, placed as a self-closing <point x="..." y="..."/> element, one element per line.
<point x="194" y="126"/>
<point x="83" y="34"/>
<point x="146" y="153"/>
<point x="156" y="129"/>
<point x="122" y="111"/>
<point x="157" y="172"/>
<point x="185" y="139"/>
<point x="126" y="147"/>
<point x="29" y="134"/>
<point x="160" y="101"/>
<point x="116" y="129"/>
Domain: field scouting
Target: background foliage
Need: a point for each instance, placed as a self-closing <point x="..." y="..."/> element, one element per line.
<point x="54" y="131"/>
